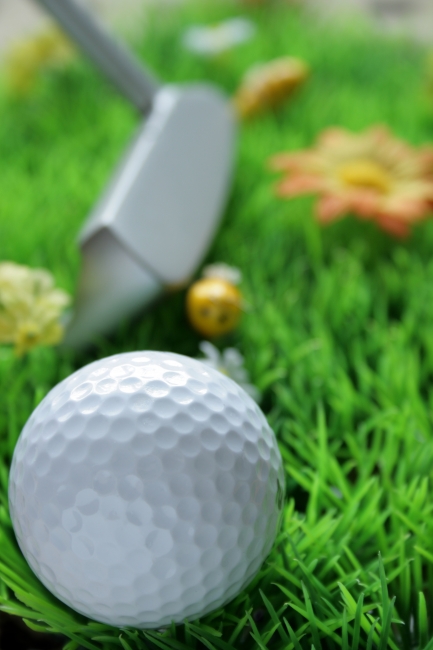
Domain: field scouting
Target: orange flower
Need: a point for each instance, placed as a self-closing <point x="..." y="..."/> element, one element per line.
<point x="269" y="84"/>
<point x="372" y="174"/>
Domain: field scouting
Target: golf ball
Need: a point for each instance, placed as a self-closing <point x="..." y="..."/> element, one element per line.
<point x="146" y="488"/>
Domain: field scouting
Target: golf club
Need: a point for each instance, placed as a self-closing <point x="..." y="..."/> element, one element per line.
<point x="158" y="214"/>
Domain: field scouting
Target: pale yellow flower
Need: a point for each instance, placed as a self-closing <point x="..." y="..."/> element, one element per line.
<point x="48" y="49"/>
<point x="267" y="85"/>
<point x="30" y="307"/>
<point x="372" y="175"/>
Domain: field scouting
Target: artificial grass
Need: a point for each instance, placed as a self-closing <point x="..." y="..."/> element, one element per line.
<point x="339" y="336"/>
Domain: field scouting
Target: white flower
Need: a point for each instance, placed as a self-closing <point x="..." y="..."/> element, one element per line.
<point x="223" y="272"/>
<point x="210" y="40"/>
<point x="231" y="363"/>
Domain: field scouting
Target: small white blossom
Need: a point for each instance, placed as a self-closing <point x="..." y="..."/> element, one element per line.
<point x="223" y="272"/>
<point x="231" y="363"/>
<point x="211" y="40"/>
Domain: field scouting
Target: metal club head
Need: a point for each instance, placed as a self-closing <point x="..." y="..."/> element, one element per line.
<point x="158" y="214"/>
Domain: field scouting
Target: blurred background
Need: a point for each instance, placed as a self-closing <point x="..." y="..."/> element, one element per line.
<point x="413" y="16"/>
<point x="20" y="18"/>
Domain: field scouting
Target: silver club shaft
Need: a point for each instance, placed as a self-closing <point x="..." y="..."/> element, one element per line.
<point x="110" y="56"/>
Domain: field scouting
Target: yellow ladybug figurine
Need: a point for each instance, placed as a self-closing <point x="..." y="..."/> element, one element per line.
<point x="214" y="303"/>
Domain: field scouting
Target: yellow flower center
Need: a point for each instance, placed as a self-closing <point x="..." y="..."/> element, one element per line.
<point x="367" y="174"/>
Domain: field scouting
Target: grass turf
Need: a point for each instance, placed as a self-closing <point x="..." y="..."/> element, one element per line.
<point x="339" y="338"/>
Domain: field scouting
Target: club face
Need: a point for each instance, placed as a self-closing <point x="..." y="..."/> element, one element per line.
<point x="164" y="202"/>
<point x="112" y="286"/>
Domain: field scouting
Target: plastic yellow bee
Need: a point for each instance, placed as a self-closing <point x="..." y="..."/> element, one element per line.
<point x="214" y="304"/>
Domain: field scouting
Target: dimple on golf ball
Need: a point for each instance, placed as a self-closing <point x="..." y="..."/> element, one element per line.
<point x="146" y="488"/>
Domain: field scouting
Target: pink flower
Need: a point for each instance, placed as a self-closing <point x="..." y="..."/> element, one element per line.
<point x="373" y="175"/>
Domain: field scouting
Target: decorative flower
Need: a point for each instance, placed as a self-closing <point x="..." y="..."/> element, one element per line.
<point x="49" y="49"/>
<point x="267" y="85"/>
<point x="223" y="272"/>
<point x="212" y="40"/>
<point x="231" y="363"/>
<point x="30" y="307"/>
<point x="372" y="174"/>
<point x="214" y="304"/>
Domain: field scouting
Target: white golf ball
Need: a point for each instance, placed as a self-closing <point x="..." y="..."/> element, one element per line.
<point x="146" y="488"/>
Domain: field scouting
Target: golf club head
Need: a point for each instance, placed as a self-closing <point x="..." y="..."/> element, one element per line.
<point x="155" y="221"/>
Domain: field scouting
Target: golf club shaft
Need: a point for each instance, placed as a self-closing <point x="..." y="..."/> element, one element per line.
<point x="111" y="57"/>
